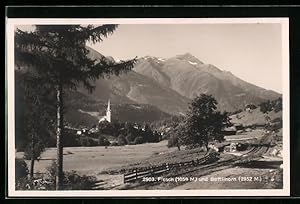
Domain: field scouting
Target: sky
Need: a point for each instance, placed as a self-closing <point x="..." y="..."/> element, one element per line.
<point x="252" y="52"/>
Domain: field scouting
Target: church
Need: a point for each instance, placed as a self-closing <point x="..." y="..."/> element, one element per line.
<point x="107" y="117"/>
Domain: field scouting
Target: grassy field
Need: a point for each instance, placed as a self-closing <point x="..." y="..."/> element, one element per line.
<point x="160" y="159"/>
<point x="256" y="117"/>
<point x="109" y="164"/>
<point x="93" y="160"/>
<point x="256" y="133"/>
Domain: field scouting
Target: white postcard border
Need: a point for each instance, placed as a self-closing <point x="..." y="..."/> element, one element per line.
<point x="10" y="26"/>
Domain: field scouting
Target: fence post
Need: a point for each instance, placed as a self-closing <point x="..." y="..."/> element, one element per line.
<point x="136" y="174"/>
<point x="123" y="178"/>
<point x="197" y="161"/>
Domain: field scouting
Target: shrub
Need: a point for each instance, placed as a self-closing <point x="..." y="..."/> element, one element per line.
<point x="173" y="141"/>
<point x="21" y="169"/>
<point x="23" y="184"/>
<point x="102" y="141"/>
<point x="72" y="180"/>
<point x="130" y="139"/>
<point x="138" y="140"/>
<point x="51" y="171"/>
<point x="114" y="144"/>
<point x="88" y="142"/>
<point x="121" y="140"/>
<point x="21" y="174"/>
<point x="251" y="106"/>
<point x="265" y="106"/>
<point x="155" y="137"/>
<point x="71" y="139"/>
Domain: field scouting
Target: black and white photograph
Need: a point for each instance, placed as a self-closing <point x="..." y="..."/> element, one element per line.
<point x="148" y="107"/>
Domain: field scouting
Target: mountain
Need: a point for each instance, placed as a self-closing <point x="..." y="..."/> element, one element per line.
<point x="135" y="87"/>
<point x="157" y="88"/>
<point x="190" y="77"/>
<point x="170" y="84"/>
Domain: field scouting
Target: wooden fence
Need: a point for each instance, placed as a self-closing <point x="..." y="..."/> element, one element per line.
<point x="139" y="173"/>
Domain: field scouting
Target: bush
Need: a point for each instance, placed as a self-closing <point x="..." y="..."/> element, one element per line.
<point x="72" y="180"/>
<point x="268" y="106"/>
<point x="21" y="169"/>
<point x="130" y="139"/>
<point x="102" y="141"/>
<point x="155" y="137"/>
<point x="25" y="183"/>
<point x="71" y="139"/>
<point x="251" y="106"/>
<point x="114" y="144"/>
<point x="88" y="142"/>
<point x="51" y="171"/>
<point x="265" y="106"/>
<point x="138" y="140"/>
<point x="173" y="141"/>
<point x="21" y="174"/>
<point x="121" y="140"/>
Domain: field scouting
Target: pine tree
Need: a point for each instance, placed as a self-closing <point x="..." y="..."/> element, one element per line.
<point x="58" y="56"/>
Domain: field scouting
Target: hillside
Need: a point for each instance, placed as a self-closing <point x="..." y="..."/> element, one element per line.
<point x="85" y="111"/>
<point x="170" y="84"/>
<point x="136" y="88"/>
<point x="255" y="117"/>
<point x="189" y="76"/>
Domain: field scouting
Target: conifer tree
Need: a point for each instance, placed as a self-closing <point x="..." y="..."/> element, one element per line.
<point x="58" y="55"/>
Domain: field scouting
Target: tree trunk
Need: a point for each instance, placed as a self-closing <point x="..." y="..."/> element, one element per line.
<point x="31" y="168"/>
<point x="59" y="134"/>
<point x="178" y="146"/>
<point x="32" y="157"/>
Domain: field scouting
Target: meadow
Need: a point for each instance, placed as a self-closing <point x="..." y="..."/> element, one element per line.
<point x="98" y="159"/>
<point x="108" y="164"/>
<point x="253" y="134"/>
<point x="93" y="160"/>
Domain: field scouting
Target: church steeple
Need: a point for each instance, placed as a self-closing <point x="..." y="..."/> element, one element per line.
<point x="107" y="117"/>
<point x="108" y="112"/>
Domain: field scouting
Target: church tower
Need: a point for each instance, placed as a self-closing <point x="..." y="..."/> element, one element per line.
<point x="107" y="117"/>
<point x="108" y="112"/>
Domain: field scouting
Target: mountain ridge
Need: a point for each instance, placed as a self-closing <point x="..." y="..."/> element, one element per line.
<point x="171" y="83"/>
<point x="190" y="80"/>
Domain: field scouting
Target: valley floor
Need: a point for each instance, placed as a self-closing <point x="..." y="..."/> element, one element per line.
<point x="93" y="160"/>
<point x="107" y="164"/>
